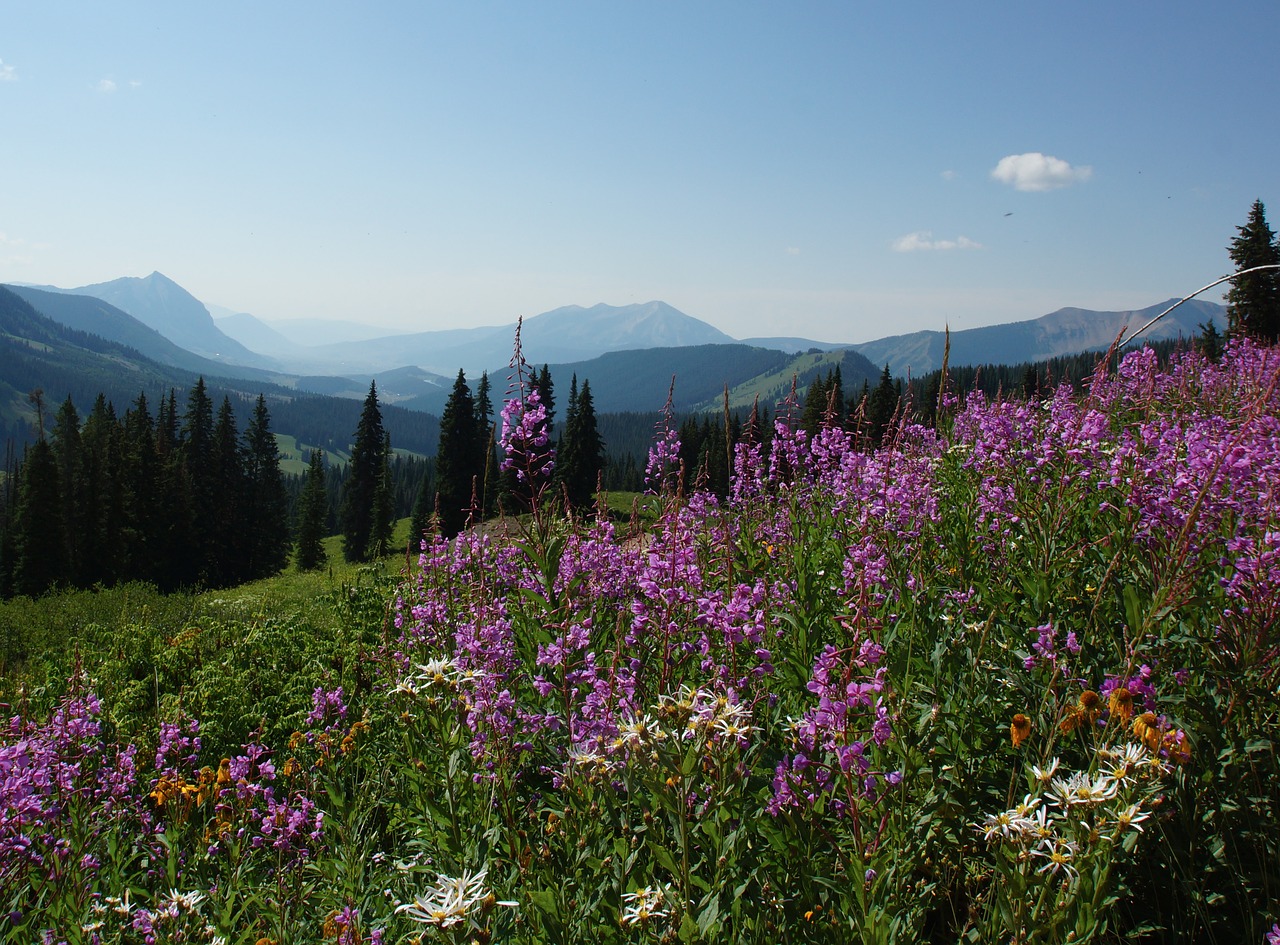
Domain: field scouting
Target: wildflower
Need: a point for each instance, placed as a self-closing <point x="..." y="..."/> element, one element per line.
<point x="1146" y="729"/>
<point x="642" y="905"/>
<point x="1273" y="937"/>
<point x="1090" y="705"/>
<point x="1058" y="858"/>
<point x="451" y="900"/>
<point x="1176" y="746"/>
<point x="1125" y="762"/>
<point x="1079" y="789"/>
<point x="1121" y="703"/>
<point x="1045" y="775"/>
<point x="1131" y="816"/>
<point x="1019" y="729"/>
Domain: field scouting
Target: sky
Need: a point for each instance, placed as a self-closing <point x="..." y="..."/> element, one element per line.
<point x="839" y="171"/>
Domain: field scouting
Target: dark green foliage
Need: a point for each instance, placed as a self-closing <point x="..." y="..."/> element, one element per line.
<point x="580" y="457"/>
<point x="1210" y="340"/>
<point x="882" y="405"/>
<point x="1253" y="302"/>
<point x="313" y="514"/>
<point x="460" y="460"/>
<point x="360" y="499"/>
<point x="420" y="522"/>
<point x="265" y="501"/>
<point x="40" y="536"/>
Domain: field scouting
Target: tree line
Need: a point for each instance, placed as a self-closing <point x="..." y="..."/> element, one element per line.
<point x="178" y="497"/>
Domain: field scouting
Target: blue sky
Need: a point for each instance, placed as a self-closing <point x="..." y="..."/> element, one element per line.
<point x="838" y="171"/>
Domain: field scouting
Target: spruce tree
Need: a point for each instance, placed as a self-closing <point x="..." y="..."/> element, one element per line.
<point x="581" y="458"/>
<point x="313" y="516"/>
<point x="881" y="407"/>
<point x="384" y="513"/>
<point x="424" y="508"/>
<point x="40" y="538"/>
<point x="227" y="553"/>
<point x="359" y="491"/>
<point x="266" y="503"/>
<point x="101" y="478"/>
<point x="458" y="458"/>
<point x="1253" y="302"/>
<point x="67" y="452"/>
<point x="486" y="440"/>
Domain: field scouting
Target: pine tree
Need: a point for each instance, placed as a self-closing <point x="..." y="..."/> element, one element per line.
<point x="227" y="553"/>
<point x="487" y="437"/>
<point x="424" y="507"/>
<point x="359" y="492"/>
<point x="313" y="515"/>
<point x="458" y="458"/>
<point x="66" y="450"/>
<point x="266" y="502"/>
<point x="1253" y="302"/>
<point x="101" y="478"/>
<point x="581" y="457"/>
<point x="40" y="539"/>
<point x="383" y="507"/>
<point x="193" y="475"/>
<point x="881" y="406"/>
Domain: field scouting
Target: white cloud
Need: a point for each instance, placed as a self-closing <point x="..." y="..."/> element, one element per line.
<point x="7" y="73"/>
<point x="1034" y="171"/>
<point x="106" y="85"/>
<point x="949" y="175"/>
<point x="793" y="250"/>
<point x="923" y="240"/>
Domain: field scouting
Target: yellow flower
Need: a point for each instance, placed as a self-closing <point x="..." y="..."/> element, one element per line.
<point x="1146" y="729"/>
<point x="1121" y="704"/>
<point x="1091" y="704"/>
<point x="1019" y="729"/>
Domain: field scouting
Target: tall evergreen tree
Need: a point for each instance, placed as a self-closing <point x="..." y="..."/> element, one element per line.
<point x="101" y="478"/>
<point x="313" y="515"/>
<point x="424" y="506"/>
<point x="40" y="539"/>
<point x="581" y="456"/>
<point x="67" y="453"/>
<point x="384" y="506"/>
<point x="486" y="436"/>
<point x="881" y="406"/>
<point x="266" y="503"/>
<point x="458" y="458"/>
<point x="1253" y="302"/>
<point x="227" y="552"/>
<point x="192" y="475"/>
<point x="359" y="491"/>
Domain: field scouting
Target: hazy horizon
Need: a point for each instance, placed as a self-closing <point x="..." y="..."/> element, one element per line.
<point x="822" y="171"/>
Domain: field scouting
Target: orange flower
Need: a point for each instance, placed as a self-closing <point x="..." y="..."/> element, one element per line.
<point x="1146" y="729"/>
<point x="1019" y="729"/>
<point x="1071" y="720"/>
<point x="1121" y="704"/>
<point x="1091" y="704"/>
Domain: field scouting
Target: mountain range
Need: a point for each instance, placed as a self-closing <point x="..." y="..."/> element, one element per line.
<point x="629" y="353"/>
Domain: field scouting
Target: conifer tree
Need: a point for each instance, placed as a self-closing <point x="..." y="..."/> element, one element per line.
<point x="101" y="478"/>
<point x="266" y="502"/>
<point x="226" y="554"/>
<point x="313" y="515"/>
<point x="424" y="508"/>
<point x="458" y="458"/>
<point x="486" y="437"/>
<point x="1253" y="302"/>
<point x="383" y="507"/>
<point x="40" y="539"/>
<point x="67" y="453"/>
<point x="359" y="492"/>
<point x="581" y="457"/>
<point x="881" y="406"/>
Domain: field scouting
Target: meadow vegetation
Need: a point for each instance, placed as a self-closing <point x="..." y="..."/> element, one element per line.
<point x="1012" y="679"/>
